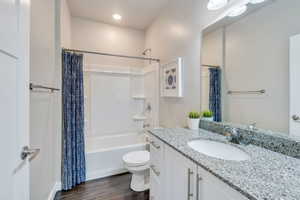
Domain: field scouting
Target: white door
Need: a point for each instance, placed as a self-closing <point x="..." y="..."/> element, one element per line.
<point x="14" y="98"/>
<point x="180" y="176"/>
<point x="295" y="85"/>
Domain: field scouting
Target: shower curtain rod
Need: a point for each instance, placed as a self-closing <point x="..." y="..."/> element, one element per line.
<point x="108" y="54"/>
<point x="210" y="66"/>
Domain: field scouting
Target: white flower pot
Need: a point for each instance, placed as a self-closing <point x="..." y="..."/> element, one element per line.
<point x="211" y="119"/>
<point x="193" y="124"/>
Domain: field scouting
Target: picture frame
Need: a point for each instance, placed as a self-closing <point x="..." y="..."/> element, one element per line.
<point x="171" y="79"/>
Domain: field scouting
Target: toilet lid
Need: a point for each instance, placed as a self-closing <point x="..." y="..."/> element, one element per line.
<point x="137" y="158"/>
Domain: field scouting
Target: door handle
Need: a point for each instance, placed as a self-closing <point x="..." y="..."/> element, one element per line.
<point x="296" y="118"/>
<point x="189" y="194"/>
<point x="197" y="186"/>
<point x="154" y="145"/>
<point x="26" y="151"/>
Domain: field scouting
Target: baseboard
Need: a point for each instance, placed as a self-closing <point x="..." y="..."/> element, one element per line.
<point x="104" y="173"/>
<point x="56" y="187"/>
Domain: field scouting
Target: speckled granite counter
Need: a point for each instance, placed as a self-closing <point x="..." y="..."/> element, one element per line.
<point x="267" y="176"/>
<point x="274" y="141"/>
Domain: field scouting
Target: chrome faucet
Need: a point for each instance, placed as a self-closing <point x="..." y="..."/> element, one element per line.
<point x="252" y="127"/>
<point x="232" y="135"/>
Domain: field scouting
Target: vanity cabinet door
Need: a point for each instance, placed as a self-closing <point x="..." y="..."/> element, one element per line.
<point x="155" y="187"/>
<point x="180" y="176"/>
<point x="156" y="168"/>
<point x="210" y="187"/>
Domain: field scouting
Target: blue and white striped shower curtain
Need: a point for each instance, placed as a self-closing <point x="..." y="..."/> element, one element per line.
<point x="73" y="147"/>
<point x="215" y="93"/>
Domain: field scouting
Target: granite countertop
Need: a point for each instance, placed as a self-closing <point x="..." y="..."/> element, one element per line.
<point x="267" y="176"/>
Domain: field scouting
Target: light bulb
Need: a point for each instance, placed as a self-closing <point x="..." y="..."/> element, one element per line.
<point x="216" y="4"/>
<point x="237" y="11"/>
<point x="256" y="1"/>
<point x="117" y="17"/>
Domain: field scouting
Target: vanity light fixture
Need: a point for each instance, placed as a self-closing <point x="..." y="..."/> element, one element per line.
<point x="117" y="17"/>
<point x="237" y="11"/>
<point x="256" y="1"/>
<point x="216" y="4"/>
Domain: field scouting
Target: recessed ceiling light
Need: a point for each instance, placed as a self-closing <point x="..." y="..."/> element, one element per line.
<point x="237" y="11"/>
<point x="216" y="4"/>
<point x="117" y="17"/>
<point x="256" y="1"/>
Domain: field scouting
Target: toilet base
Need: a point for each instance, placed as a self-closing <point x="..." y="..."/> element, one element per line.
<point x="140" y="182"/>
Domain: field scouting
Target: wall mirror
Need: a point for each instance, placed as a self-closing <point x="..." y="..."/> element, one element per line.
<point x="249" y="59"/>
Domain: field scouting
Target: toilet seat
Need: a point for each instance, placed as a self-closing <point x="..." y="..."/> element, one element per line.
<point x="136" y="158"/>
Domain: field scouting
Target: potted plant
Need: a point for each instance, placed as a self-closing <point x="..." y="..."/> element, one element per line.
<point x="208" y="115"/>
<point x="193" y="120"/>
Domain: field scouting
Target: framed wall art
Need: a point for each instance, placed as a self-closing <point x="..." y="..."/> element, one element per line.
<point x="171" y="79"/>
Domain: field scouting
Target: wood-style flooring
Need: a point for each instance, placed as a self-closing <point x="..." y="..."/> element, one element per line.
<point x="111" y="188"/>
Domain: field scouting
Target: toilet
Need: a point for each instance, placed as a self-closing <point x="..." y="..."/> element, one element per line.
<point x="137" y="163"/>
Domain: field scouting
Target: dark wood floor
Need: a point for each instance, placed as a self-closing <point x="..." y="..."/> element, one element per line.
<point x="112" y="188"/>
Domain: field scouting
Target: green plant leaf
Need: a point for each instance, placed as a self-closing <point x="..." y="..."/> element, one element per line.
<point x="207" y="114"/>
<point x="194" y="115"/>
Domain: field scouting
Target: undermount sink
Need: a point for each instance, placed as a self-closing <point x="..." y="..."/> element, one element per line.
<point x="219" y="150"/>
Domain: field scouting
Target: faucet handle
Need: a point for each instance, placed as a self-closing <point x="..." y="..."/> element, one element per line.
<point x="252" y="126"/>
<point x="234" y="131"/>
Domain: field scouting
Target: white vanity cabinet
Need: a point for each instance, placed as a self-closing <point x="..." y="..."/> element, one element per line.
<point x="180" y="176"/>
<point x="175" y="177"/>
<point x="157" y="149"/>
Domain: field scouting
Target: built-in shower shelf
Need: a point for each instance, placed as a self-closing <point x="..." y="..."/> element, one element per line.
<point x="139" y="97"/>
<point x="139" y="118"/>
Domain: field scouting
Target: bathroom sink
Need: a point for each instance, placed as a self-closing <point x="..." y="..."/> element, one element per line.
<point x="219" y="150"/>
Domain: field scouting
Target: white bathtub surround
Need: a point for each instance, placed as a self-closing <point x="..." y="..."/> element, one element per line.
<point x="116" y="99"/>
<point x="104" y="154"/>
<point x="193" y="124"/>
<point x="109" y="105"/>
<point x="121" y="94"/>
<point x="137" y="163"/>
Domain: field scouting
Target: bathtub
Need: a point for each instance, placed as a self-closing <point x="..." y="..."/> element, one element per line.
<point x="104" y="154"/>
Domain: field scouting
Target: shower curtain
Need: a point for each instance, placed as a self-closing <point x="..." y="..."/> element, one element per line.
<point x="215" y="93"/>
<point x="73" y="146"/>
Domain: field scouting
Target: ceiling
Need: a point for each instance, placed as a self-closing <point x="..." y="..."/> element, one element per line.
<point x="137" y="14"/>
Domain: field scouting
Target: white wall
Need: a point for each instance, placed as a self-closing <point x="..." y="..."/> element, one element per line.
<point x="257" y="57"/>
<point x="95" y="36"/>
<point x="212" y="48"/>
<point x="45" y="121"/>
<point x="211" y="54"/>
<point x="177" y="32"/>
<point x="65" y="25"/>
